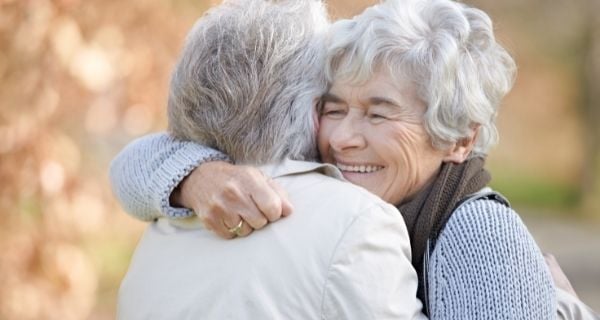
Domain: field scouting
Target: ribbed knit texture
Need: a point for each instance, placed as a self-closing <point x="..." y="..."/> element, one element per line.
<point x="146" y="171"/>
<point x="427" y="212"/>
<point x="485" y="264"/>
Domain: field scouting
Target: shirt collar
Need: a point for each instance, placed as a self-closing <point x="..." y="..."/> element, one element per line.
<point x="289" y="167"/>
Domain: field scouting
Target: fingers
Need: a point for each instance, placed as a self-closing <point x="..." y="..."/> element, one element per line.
<point x="241" y="228"/>
<point x="245" y="230"/>
<point x="267" y="201"/>
<point x="216" y="225"/>
<point x="223" y="194"/>
<point x="235" y="203"/>
<point x="269" y="198"/>
<point x="286" y="205"/>
<point x="225" y="210"/>
<point x="227" y="229"/>
<point x="220" y="218"/>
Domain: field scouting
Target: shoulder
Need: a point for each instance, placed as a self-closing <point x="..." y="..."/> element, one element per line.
<point x="344" y="215"/>
<point x="486" y="260"/>
<point x="483" y="219"/>
<point x="491" y="232"/>
<point x="337" y="197"/>
<point x="369" y="274"/>
<point x="332" y="211"/>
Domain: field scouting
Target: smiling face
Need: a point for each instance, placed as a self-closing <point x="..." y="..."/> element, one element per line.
<point x="374" y="134"/>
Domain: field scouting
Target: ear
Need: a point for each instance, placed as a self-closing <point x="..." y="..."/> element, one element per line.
<point x="459" y="152"/>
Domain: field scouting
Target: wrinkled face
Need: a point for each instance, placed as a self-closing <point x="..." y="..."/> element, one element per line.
<point x="374" y="134"/>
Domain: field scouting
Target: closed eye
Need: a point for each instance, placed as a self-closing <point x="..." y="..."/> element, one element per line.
<point x="376" y="117"/>
<point x="333" y="110"/>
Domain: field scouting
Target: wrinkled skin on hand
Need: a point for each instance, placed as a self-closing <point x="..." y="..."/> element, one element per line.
<point x="222" y="195"/>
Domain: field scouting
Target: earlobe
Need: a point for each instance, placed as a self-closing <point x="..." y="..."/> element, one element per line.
<point x="456" y="156"/>
<point x="460" y="151"/>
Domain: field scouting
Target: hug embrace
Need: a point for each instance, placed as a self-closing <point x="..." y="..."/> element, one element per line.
<point x="317" y="170"/>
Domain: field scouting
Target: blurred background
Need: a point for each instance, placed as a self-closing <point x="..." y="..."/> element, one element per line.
<point x="80" y="79"/>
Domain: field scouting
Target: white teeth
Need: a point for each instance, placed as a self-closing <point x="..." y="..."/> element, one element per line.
<point x="361" y="168"/>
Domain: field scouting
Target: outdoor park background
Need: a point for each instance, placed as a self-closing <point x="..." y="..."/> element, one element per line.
<point x="80" y="79"/>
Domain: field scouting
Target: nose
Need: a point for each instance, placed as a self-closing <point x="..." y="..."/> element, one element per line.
<point x="347" y="136"/>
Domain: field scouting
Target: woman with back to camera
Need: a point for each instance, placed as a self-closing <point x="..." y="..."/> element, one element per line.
<point x="255" y="66"/>
<point x="410" y="116"/>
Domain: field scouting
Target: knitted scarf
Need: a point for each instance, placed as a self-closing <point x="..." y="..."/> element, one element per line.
<point x="427" y="213"/>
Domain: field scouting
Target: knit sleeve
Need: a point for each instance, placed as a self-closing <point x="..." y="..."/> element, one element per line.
<point x="486" y="265"/>
<point x="147" y="170"/>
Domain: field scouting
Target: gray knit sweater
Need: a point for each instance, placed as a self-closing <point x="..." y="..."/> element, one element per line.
<point x="485" y="265"/>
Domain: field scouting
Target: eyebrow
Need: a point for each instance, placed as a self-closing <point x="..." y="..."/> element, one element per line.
<point x="330" y="97"/>
<point x="381" y="100"/>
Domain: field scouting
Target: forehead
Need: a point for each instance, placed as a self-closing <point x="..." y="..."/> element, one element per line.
<point x="381" y="84"/>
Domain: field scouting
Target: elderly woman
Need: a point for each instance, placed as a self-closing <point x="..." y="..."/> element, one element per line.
<point x="255" y="67"/>
<point x="415" y="87"/>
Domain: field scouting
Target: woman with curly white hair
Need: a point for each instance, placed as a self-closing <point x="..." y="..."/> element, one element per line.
<point x="414" y="92"/>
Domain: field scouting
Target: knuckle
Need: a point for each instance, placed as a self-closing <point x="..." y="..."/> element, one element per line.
<point x="256" y="221"/>
<point x="253" y="218"/>
<point x="212" y="202"/>
<point x="260" y="223"/>
<point x="231" y="190"/>
<point x="272" y="209"/>
<point x="217" y="205"/>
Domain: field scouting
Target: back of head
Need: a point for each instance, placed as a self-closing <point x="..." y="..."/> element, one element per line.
<point x="445" y="47"/>
<point x="247" y="79"/>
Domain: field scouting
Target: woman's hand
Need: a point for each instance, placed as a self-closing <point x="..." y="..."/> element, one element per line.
<point x="223" y="195"/>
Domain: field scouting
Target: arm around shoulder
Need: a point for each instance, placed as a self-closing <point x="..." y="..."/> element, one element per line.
<point x="370" y="275"/>
<point x="148" y="169"/>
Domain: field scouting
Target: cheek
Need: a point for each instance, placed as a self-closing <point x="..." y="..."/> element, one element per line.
<point x="323" y="133"/>
<point x="411" y="133"/>
<point x="406" y="142"/>
<point x="420" y="160"/>
<point x="405" y="148"/>
<point x="315" y="118"/>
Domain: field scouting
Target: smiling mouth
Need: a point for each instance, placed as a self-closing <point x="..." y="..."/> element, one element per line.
<point x="358" y="168"/>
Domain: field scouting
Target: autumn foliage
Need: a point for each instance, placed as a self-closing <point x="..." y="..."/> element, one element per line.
<point x="78" y="78"/>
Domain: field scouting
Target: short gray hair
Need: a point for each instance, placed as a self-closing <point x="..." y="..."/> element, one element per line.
<point x="248" y="77"/>
<point x="448" y="50"/>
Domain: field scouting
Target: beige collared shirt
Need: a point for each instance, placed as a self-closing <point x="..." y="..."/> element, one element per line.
<point x="342" y="254"/>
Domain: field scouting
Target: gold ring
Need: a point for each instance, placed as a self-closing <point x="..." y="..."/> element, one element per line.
<point x="235" y="231"/>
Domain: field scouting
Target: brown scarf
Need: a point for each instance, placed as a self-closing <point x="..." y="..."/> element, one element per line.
<point x="431" y="208"/>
